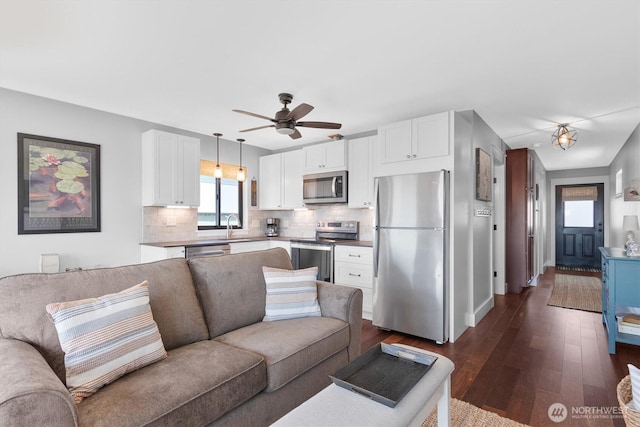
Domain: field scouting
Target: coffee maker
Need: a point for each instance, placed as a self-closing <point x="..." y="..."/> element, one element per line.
<point x="272" y="227"/>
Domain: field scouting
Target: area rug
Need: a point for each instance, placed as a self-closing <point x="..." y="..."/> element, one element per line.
<point x="464" y="414"/>
<point x="577" y="292"/>
<point x="568" y="268"/>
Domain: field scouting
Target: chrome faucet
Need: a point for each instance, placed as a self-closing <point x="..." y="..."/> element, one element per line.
<point x="229" y="225"/>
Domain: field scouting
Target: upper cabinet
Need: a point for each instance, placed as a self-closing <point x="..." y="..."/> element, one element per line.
<point x="281" y="181"/>
<point x="361" y="172"/>
<point x="325" y="157"/>
<point x="412" y="145"/>
<point x="170" y="169"/>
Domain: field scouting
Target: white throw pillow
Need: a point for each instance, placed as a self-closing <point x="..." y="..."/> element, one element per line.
<point x="105" y="338"/>
<point x="634" y="373"/>
<point x="290" y="293"/>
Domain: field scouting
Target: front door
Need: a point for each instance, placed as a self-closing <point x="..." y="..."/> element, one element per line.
<point x="579" y="225"/>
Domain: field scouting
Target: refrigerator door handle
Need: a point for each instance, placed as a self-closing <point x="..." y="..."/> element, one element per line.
<point x="376" y="230"/>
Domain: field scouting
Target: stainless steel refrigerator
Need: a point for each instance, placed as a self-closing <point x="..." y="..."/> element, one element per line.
<point x="410" y="245"/>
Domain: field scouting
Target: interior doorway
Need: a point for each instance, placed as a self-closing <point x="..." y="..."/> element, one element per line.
<point x="579" y="219"/>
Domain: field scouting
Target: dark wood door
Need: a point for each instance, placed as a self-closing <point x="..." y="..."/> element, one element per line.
<point x="579" y="229"/>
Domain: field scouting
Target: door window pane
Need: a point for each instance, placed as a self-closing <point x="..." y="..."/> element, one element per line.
<point x="578" y="213"/>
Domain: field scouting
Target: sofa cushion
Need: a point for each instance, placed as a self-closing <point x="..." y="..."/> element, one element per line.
<point x="231" y="288"/>
<point x="194" y="385"/>
<point x="105" y="338"/>
<point x="23" y="299"/>
<point x="291" y="347"/>
<point x="290" y="293"/>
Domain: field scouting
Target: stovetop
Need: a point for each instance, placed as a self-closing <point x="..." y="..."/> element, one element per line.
<point x="332" y="232"/>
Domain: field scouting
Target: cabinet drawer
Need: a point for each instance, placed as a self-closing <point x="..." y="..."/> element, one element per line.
<point x="354" y="254"/>
<point x="354" y="274"/>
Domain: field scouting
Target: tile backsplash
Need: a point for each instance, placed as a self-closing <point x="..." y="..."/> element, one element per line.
<point x="167" y="224"/>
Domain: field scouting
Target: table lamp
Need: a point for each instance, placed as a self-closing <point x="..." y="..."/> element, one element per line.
<point x="630" y="225"/>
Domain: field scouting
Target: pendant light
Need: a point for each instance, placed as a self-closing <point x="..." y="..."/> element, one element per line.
<point x="218" y="171"/>
<point x="241" y="177"/>
<point x="564" y="137"/>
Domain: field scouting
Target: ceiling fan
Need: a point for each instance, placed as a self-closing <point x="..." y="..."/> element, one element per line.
<point x="286" y="121"/>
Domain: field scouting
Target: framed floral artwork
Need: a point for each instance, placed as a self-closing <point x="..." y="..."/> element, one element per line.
<point x="58" y="185"/>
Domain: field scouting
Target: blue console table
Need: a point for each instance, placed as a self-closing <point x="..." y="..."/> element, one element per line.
<point x="620" y="292"/>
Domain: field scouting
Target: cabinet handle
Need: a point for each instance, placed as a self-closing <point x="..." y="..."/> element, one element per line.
<point x="413" y="156"/>
<point x="355" y="275"/>
<point x="408" y="156"/>
<point x="354" y="255"/>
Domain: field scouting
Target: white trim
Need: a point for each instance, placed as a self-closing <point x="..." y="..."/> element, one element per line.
<point x="475" y="317"/>
<point x="552" y="210"/>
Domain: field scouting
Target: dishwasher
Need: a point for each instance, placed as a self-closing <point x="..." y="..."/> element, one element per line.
<point x="207" y="250"/>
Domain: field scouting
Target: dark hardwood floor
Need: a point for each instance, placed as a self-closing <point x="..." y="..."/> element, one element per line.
<point x="525" y="355"/>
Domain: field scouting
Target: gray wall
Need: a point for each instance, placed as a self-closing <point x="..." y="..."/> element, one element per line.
<point x="472" y="287"/>
<point x="627" y="160"/>
<point x="119" y="139"/>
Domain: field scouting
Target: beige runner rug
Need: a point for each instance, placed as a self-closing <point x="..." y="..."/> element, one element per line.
<point x="577" y="292"/>
<point x="464" y="414"/>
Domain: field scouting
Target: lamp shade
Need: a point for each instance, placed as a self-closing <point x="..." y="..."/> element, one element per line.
<point x="630" y="223"/>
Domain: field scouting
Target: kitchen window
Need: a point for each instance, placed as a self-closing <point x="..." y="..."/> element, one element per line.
<point x="219" y="197"/>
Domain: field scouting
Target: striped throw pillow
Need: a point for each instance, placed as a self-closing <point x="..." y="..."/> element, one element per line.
<point x="104" y="338"/>
<point x="634" y="374"/>
<point x="290" y="293"/>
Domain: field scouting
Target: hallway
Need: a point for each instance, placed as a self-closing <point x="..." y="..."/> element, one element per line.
<point x="524" y="356"/>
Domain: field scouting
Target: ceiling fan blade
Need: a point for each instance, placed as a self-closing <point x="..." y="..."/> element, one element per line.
<point x="322" y="125"/>
<point x="259" y="127"/>
<point x="296" y="134"/>
<point x="300" y="111"/>
<point x="254" y="115"/>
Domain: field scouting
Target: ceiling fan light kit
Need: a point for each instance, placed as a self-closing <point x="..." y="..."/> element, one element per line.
<point x="286" y="121"/>
<point x="564" y="137"/>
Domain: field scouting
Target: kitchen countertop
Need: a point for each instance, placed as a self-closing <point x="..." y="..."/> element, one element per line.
<point x="215" y="242"/>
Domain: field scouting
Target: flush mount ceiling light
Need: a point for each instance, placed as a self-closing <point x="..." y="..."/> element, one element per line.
<point x="564" y="137"/>
<point x="218" y="171"/>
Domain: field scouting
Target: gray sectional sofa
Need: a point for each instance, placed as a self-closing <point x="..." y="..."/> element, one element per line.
<point x="225" y="366"/>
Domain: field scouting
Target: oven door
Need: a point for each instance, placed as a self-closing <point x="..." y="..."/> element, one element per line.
<point x="305" y="255"/>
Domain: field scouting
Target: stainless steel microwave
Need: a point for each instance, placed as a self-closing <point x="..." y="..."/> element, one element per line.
<point x="326" y="187"/>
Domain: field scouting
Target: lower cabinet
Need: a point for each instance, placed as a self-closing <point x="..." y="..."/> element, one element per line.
<point x="353" y="267"/>
<point x="259" y="245"/>
<point x="157" y="253"/>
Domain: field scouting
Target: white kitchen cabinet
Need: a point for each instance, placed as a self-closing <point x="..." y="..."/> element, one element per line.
<point x="353" y="266"/>
<point x="156" y="253"/>
<point x="170" y="169"/>
<point x="411" y="140"/>
<point x="280" y="185"/>
<point x="361" y="172"/>
<point x="325" y="157"/>
<point x="258" y="245"/>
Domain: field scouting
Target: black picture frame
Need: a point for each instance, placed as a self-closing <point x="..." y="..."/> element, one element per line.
<point x="58" y="185"/>
<point x="483" y="176"/>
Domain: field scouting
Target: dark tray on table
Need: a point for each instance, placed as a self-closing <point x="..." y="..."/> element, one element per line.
<point x="385" y="373"/>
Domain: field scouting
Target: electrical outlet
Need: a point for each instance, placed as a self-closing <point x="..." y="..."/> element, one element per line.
<point x="171" y="221"/>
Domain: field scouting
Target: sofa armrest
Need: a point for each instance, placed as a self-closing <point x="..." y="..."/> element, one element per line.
<point x="344" y="303"/>
<point x="31" y="394"/>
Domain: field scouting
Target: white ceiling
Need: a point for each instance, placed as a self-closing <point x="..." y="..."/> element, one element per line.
<point x="524" y="66"/>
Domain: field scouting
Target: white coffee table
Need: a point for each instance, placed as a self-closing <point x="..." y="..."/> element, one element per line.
<point x="336" y="406"/>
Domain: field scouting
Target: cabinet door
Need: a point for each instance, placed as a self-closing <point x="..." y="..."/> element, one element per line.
<point x="395" y="142"/>
<point x="188" y="179"/>
<point x="430" y="136"/>
<point x="314" y="158"/>
<point x="270" y="186"/>
<point x="360" y="172"/>
<point x="165" y="169"/>
<point x="292" y="179"/>
<point x="335" y="156"/>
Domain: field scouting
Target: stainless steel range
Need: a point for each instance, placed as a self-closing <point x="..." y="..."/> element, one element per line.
<point x="318" y="251"/>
